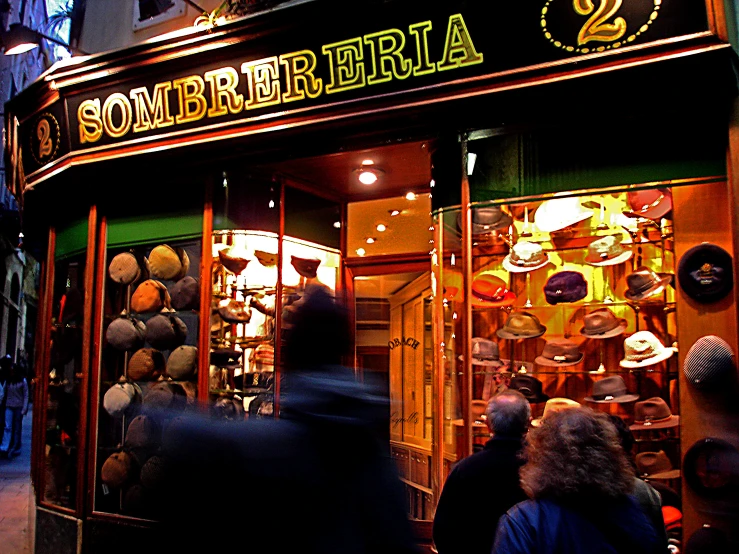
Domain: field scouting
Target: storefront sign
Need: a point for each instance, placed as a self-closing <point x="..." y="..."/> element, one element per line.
<point x="396" y="420"/>
<point x="404" y="341"/>
<point x="306" y="63"/>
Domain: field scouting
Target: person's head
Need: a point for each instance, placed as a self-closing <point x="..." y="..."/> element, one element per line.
<point x="508" y="414"/>
<point x="576" y="455"/>
<point x="625" y="436"/>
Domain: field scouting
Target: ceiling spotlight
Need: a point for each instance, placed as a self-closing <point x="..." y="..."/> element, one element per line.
<point x="410" y="196"/>
<point x="368" y="162"/>
<point x="370" y="240"/>
<point x="361" y="251"/>
<point x="393" y="213"/>
<point x="337" y="224"/>
<point x="368" y="175"/>
<point x="432" y="184"/>
<point x="381" y="227"/>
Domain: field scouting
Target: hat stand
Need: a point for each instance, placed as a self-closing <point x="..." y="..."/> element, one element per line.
<point x="528" y="303"/>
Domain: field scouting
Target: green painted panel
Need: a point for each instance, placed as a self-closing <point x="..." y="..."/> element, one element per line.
<point x="130" y="231"/>
<point x="71" y="239"/>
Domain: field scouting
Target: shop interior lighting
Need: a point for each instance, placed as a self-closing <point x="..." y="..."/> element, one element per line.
<point x="337" y="224"/>
<point x="361" y="251"/>
<point x="393" y="213"/>
<point x="19" y="39"/>
<point x="471" y="159"/>
<point x="381" y="227"/>
<point x="370" y="240"/>
<point x="410" y="196"/>
<point x="368" y="175"/>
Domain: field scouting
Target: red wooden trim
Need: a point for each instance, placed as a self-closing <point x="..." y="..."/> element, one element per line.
<point x="278" y="304"/>
<point x="206" y="291"/>
<point x="378" y="265"/>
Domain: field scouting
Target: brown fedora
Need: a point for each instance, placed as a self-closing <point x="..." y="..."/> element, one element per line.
<point x="559" y="353"/>
<point x="611" y="390"/>
<point x="645" y="283"/>
<point x="233" y="259"/>
<point x="602" y="324"/>
<point x="553" y="406"/>
<point x="655" y="465"/>
<point x="653" y="413"/>
<point x="521" y="325"/>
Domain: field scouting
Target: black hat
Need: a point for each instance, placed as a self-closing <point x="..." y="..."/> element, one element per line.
<point x="709" y="362"/>
<point x="705" y="273"/>
<point x="711" y="468"/>
<point x="565" y="286"/>
<point x="165" y="332"/>
<point x="530" y="387"/>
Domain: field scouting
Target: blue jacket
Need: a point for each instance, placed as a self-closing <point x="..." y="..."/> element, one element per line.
<point x="545" y="526"/>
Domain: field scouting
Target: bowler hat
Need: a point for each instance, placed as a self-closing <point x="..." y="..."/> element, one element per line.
<point x="485" y="352"/>
<point x="607" y="251"/>
<point x="182" y="362"/>
<point x="142" y="432"/>
<point x="644" y="283"/>
<point x="234" y="259"/>
<point x="530" y="387"/>
<point x="122" y="399"/>
<point x="709" y="362"/>
<point x="125" y="334"/>
<point x="557" y="213"/>
<point x="565" y="286"/>
<point x="168" y="263"/>
<point x="307" y="267"/>
<point x="559" y="353"/>
<point x="165" y="332"/>
<point x="116" y="470"/>
<point x="147" y="364"/>
<point x="655" y="465"/>
<point x="521" y="325"/>
<point x="705" y="273"/>
<point x="653" y="413"/>
<point x="150" y="296"/>
<point x="644" y="349"/>
<point x="490" y="290"/>
<point x="649" y="203"/>
<point x="554" y="405"/>
<point x="609" y="390"/>
<point x="124" y="268"/>
<point x="602" y="324"/>
<point x="186" y="294"/>
<point x="525" y="256"/>
<point x="234" y="311"/>
<point x="165" y="396"/>
<point x="486" y="220"/>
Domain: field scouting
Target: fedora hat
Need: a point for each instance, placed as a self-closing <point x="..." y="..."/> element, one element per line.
<point x="709" y="362"/>
<point x="185" y="294"/>
<point x="645" y="283"/>
<point x="559" y="353"/>
<point x="307" y="267"/>
<point x="168" y="263"/>
<point x="147" y="364"/>
<point x="521" y="325"/>
<point x="165" y="332"/>
<point x="267" y="259"/>
<point x="125" y="334"/>
<point x="611" y="390"/>
<point x="705" y="273"/>
<point x="565" y="286"/>
<point x="655" y="465"/>
<point x="530" y="387"/>
<point x="644" y="349"/>
<point x="653" y="413"/>
<point x="122" y="399"/>
<point x="124" y="269"/>
<point x="150" y="296"/>
<point x="525" y="256"/>
<point x="607" y="251"/>
<point x="602" y="324"/>
<point x="557" y="213"/>
<point x="233" y="258"/>
<point x="650" y="203"/>
<point x="490" y="290"/>
<point x="234" y="311"/>
<point x="553" y="406"/>
<point x="116" y="470"/>
<point x="182" y="362"/>
<point x="487" y="219"/>
<point x="485" y="352"/>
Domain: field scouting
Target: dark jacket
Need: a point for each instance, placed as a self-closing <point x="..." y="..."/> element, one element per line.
<point x="548" y="527"/>
<point x="651" y="502"/>
<point x="479" y="490"/>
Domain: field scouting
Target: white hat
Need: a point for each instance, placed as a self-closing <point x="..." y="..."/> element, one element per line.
<point x="558" y="213"/>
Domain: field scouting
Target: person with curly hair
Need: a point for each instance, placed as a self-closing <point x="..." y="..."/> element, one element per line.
<point x="579" y="481"/>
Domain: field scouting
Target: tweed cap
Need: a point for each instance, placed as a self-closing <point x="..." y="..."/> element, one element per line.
<point x="142" y="432"/>
<point x="182" y="362"/>
<point x="116" y="470"/>
<point x="125" y="334"/>
<point x="150" y="296"/>
<point x="153" y="472"/>
<point x="165" y="262"/>
<point x="186" y="294"/>
<point x="147" y="364"/>
<point x="124" y="268"/>
<point x="165" y="332"/>
<point x="122" y="399"/>
<point x="709" y="362"/>
<point x="165" y="396"/>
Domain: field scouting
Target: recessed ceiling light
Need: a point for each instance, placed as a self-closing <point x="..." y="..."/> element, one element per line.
<point x="337" y="224"/>
<point x="410" y="196"/>
<point x="432" y="184"/>
<point x="381" y="227"/>
<point x="368" y="175"/>
<point x="361" y="251"/>
<point x="393" y="213"/>
<point x="368" y="162"/>
<point x="370" y="240"/>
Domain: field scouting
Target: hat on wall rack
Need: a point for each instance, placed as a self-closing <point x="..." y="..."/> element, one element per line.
<point x="521" y="325"/>
<point x="233" y="258"/>
<point x="124" y="269"/>
<point x="655" y="465"/>
<point x="643" y="349"/>
<point x="530" y="387"/>
<point x="611" y="390"/>
<point x="559" y="353"/>
<point x="607" y="251"/>
<point x="490" y="290"/>
<point x="705" y="273"/>
<point x="486" y="220"/>
<point x="602" y="324"/>
<point x="306" y="267"/>
<point x="485" y="352"/>
<point x="554" y="405"/>
<point x="649" y="203"/>
<point x="645" y="283"/>
<point x="565" y="287"/>
<point x="653" y="413"/>
<point x="709" y="362"/>
<point x="556" y="214"/>
<point x="525" y="256"/>
<point x="711" y="468"/>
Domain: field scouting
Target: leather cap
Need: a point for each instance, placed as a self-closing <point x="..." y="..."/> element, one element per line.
<point x="186" y="294"/>
<point x="147" y="364"/>
<point x="165" y="332"/>
<point x="182" y="362"/>
<point x="125" y="334"/>
<point x="150" y="296"/>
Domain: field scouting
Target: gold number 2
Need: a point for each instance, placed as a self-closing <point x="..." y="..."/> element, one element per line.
<point x="596" y="28"/>
<point x="43" y="132"/>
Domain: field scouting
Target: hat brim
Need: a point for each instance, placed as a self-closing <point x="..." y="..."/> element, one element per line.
<point x="657" y="212"/>
<point x="616" y="399"/>
<point x="656" y="289"/>
<point x="479" y="230"/>
<point x="674" y="421"/>
<point x="552" y="226"/>
<point x="669" y="474"/>
<point x="621" y="258"/>
<point x="662" y="356"/>
<point x="508" y="299"/>
<point x="487" y="363"/>
<point x="512" y="268"/>
<point x="616" y="331"/>
<point x="503" y="334"/>
<point x="541" y="360"/>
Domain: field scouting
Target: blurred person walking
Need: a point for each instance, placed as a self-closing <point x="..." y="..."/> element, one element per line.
<point x="16" y="407"/>
<point x="580" y="483"/>
<point x="483" y="486"/>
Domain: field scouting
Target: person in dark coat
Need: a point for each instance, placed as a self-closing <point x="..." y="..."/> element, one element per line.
<point x="482" y="487"/>
<point x="579" y="481"/>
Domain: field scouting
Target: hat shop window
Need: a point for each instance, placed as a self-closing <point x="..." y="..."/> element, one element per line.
<point x="573" y="303"/>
